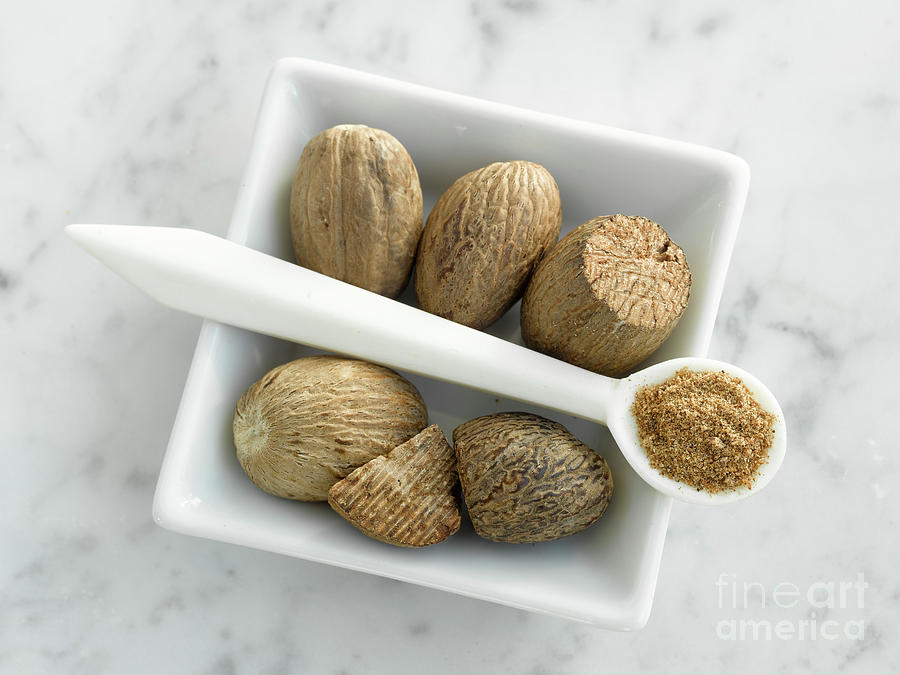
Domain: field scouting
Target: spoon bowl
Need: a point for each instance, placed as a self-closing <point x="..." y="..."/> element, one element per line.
<point x="623" y="426"/>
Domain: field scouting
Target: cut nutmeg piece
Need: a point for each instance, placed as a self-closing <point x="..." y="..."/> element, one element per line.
<point x="527" y="479"/>
<point x="406" y="497"/>
<point x="607" y="295"/>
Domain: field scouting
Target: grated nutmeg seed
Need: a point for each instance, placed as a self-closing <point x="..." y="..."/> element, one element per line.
<point x="704" y="429"/>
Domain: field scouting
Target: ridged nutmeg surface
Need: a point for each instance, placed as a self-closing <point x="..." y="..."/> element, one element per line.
<point x="356" y="208"/>
<point x="308" y="423"/>
<point x="406" y="497"/>
<point x="482" y="240"/>
<point x="527" y="479"/>
<point x="607" y="295"/>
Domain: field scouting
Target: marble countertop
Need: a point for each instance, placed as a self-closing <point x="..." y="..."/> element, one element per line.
<point x="142" y="113"/>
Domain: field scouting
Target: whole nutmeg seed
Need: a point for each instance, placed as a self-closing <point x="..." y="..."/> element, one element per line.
<point x="607" y="295"/>
<point x="356" y="208"/>
<point x="527" y="479"/>
<point x="308" y="423"/>
<point x="482" y="240"/>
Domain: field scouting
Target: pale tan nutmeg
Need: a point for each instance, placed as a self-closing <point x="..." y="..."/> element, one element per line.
<point x="406" y="497"/>
<point x="607" y="295"/>
<point x="528" y="479"/>
<point x="308" y="423"/>
<point x="482" y="240"/>
<point x="356" y="208"/>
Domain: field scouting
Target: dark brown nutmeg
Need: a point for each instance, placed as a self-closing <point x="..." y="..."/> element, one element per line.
<point x="527" y="479"/>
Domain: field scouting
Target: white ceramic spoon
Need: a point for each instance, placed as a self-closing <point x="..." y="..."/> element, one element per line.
<point x="202" y="274"/>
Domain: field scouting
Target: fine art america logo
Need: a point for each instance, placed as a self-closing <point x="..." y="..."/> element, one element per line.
<point x="822" y="610"/>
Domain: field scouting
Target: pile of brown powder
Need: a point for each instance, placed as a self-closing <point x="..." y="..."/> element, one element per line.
<point x="704" y="429"/>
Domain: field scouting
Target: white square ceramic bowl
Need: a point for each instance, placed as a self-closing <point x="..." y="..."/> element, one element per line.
<point x="605" y="575"/>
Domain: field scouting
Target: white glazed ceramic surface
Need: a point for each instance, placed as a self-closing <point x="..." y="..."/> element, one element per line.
<point x="605" y="575"/>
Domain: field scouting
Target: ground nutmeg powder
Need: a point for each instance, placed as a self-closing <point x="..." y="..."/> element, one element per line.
<point x="703" y="429"/>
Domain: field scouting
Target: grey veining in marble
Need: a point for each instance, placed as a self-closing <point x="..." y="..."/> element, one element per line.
<point x="142" y="113"/>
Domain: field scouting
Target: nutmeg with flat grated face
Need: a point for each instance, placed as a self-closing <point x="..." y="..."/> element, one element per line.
<point x="607" y="295"/>
<point x="356" y="208"/>
<point x="308" y="423"/>
<point x="528" y="479"/>
<point x="407" y="497"/>
<point x="482" y="240"/>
